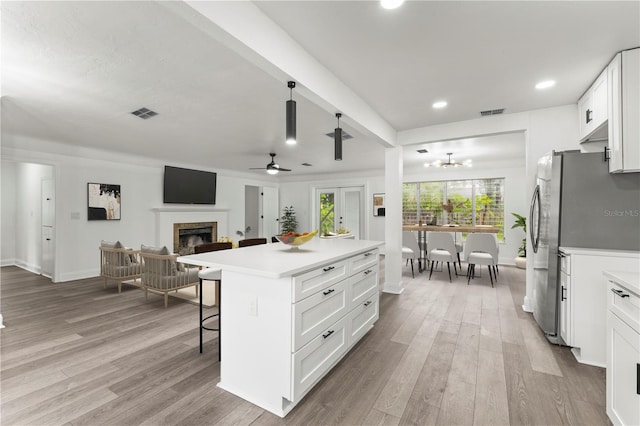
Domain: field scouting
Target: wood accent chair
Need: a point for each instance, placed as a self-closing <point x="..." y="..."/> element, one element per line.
<point x="252" y="242"/>
<point x="211" y="274"/>
<point x="119" y="264"/>
<point x="161" y="273"/>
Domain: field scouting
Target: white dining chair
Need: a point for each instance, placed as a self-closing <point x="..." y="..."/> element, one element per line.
<point x="410" y="249"/>
<point x="481" y="249"/>
<point x="441" y="248"/>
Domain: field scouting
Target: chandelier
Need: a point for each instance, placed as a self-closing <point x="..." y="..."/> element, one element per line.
<point x="449" y="163"/>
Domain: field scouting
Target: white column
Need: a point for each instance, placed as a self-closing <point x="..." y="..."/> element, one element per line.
<point x="393" y="221"/>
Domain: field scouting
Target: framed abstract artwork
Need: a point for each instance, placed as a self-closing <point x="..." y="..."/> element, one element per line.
<point x="378" y="205"/>
<point x="103" y="201"/>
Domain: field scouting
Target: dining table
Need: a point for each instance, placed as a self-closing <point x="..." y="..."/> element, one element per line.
<point x="423" y="229"/>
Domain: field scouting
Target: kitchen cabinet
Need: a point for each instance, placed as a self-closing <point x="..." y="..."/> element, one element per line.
<point x="289" y="316"/>
<point x="592" y="110"/>
<point x="582" y="314"/>
<point x="623" y="347"/>
<point x="623" y="144"/>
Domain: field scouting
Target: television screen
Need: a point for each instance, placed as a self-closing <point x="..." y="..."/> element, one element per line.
<point x="186" y="186"/>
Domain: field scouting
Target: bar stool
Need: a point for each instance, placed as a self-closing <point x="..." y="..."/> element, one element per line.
<point x="211" y="274"/>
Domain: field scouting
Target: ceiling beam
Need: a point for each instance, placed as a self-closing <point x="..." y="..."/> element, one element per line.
<point x="242" y="27"/>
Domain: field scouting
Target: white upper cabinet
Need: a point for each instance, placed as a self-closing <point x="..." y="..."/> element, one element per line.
<point x="623" y="146"/>
<point x="592" y="110"/>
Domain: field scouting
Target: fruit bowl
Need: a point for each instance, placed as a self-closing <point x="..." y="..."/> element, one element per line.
<point x="294" y="240"/>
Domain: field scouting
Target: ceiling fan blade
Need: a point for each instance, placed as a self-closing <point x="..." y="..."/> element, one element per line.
<point x="281" y="169"/>
<point x="256" y="168"/>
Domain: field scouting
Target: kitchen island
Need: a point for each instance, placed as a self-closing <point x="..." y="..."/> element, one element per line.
<point x="289" y="315"/>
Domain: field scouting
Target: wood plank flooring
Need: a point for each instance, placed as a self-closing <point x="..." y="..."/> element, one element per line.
<point x="441" y="354"/>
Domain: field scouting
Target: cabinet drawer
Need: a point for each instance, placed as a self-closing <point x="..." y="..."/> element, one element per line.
<point x="313" y="281"/>
<point x="363" y="261"/>
<point x="312" y="361"/>
<point x="624" y="304"/>
<point x="362" y="317"/>
<point x="317" y="312"/>
<point x="362" y="284"/>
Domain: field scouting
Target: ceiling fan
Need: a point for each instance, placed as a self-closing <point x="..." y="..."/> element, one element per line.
<point x="272" y="168"/>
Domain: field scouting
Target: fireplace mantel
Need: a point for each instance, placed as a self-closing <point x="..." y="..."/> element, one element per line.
<point x="167" y="216"/>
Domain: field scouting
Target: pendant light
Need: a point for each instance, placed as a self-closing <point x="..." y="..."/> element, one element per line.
<point x="337" y="139"/>
<point x="291" y="116"/>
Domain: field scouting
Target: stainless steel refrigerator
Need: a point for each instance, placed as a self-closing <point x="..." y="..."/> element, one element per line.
<point x="577" y="203"/>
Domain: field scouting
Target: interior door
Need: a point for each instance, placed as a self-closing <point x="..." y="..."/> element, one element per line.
<point x="48" y="220"/>
<point x="251" y="211"/>
<point x="269" y="215"/>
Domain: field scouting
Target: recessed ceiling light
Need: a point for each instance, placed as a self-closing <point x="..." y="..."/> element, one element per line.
<point x="439" y="104"/>
<point x="391" y="4"/>
<point x="545" y="84"/>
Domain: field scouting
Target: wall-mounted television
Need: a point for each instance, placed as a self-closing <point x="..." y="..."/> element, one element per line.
<point x="186" y="186"/>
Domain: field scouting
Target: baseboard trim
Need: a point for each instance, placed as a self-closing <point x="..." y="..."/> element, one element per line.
<point x="78" y="275"/>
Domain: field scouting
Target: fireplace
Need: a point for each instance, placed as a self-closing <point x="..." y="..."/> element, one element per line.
<point x="188" y="235"/>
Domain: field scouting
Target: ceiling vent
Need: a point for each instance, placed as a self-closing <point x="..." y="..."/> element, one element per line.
<point x="144" y="113"/>
<point x="422" y="151"/>
<point x="345" y="135"/>
<point x="492" y="112"/>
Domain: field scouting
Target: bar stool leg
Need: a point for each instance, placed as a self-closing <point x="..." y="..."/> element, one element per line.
<point x="200" y="323"/>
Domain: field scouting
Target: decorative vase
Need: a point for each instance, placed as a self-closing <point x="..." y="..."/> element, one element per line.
<point x="521" y="262"/>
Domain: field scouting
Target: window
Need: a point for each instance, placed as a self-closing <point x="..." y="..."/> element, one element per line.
<point x="462" y="202"/>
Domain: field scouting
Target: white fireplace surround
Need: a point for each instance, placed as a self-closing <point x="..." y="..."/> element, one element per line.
<point x="167" y="216"/>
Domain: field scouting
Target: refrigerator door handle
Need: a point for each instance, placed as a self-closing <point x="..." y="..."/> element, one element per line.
<point x="534" y="228"/>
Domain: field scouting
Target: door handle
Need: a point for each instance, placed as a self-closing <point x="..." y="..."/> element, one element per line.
<point x="368" y="271"/>
<point x="48" y="239"/>
<point x="589" y="114"/>
<point x="331" y="290"/>
<point x="367" y="303"/>
<point x="606" y="153"/>
<point x="327" y="334"/>
<point x="563" y="297"/>
<point x="328" y="268"/>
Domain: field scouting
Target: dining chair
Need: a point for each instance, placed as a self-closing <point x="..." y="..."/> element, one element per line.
<point x="441" y="248"/>
<point x="481" y="249"/>
<point x="457" y="241"/>
<point x="212" y="274"/>
<point x="252" y="242"/>
<point x="410" y="249"/>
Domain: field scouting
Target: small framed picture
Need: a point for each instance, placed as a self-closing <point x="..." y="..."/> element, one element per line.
<point x="103" y="201"/>
<point x="378" y="204"/>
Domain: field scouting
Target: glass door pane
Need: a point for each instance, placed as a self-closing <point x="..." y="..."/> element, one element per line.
<point x="327" y="222"/>
<point x="349" y="213"/>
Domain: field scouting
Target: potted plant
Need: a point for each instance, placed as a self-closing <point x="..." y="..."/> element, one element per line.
<point x="288" y="221"/>
<point x="521" y="222"/>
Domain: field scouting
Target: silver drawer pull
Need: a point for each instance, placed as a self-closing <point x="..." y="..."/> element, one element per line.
<point x="368" y="271"/>
<point x="620" y="293"/>
<point x="329" y="268"/>
<point x="331" y="290"/>
<point x="327" y="334"/>
<point x="367" y="303"/>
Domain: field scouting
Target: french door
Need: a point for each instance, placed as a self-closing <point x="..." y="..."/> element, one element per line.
<point x="340" y="209"/>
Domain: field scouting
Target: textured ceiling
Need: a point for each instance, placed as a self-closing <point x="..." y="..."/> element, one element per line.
<point x="73" y="71"/>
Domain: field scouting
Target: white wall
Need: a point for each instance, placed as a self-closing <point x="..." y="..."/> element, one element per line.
<point x="299" y="194"/>
<point x="8" y="214"/>
<point x="77" y="239"/>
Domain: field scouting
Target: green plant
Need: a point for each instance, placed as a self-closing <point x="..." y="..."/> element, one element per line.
<point x="288" y="221"/>
<point x="521" y="222"/>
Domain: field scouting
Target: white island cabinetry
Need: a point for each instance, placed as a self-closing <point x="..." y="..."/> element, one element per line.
<point x="288" y="316"/>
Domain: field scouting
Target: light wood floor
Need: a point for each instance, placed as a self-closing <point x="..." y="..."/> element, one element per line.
<point x="75" y="353"/>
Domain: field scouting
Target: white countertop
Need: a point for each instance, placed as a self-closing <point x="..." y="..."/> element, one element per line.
<point x="626" y="279"/>
<point x="276" y="260"/>
<point x="597" y="252"/>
